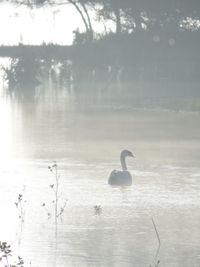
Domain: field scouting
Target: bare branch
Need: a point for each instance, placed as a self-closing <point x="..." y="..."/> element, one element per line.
<point x="158" y="238"/>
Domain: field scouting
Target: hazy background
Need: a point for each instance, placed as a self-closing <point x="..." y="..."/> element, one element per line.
<point x="81" y="81"/>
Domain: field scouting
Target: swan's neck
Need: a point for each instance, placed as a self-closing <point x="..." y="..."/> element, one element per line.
<point x="123" y="162"/>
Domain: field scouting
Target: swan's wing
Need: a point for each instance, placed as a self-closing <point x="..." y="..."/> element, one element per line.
<point x="121" y="174"/>
<point x="112" y="177"/>
<point x="114" y="173"/>
<point x="120" y="178"/>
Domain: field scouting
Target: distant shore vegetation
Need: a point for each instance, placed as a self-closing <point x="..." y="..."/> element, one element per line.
<point x="151" y="41"/>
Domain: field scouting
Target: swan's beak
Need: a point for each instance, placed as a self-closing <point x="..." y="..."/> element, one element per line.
<point x="133" y="156"/>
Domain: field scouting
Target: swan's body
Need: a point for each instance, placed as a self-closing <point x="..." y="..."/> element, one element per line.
<point x="121" y="177"/>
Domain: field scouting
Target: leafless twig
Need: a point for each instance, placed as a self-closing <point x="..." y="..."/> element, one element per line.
<point x="159" y="244"/>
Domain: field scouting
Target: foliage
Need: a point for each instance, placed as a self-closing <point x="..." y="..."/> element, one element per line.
<point x="21" y="72"/>
<point x="6" y="256"/>
<point x="20" y="205"/>
<point x="80" y="38"/>
<point x="129" y="15"/>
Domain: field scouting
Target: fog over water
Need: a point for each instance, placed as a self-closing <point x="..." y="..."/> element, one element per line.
<point x="129" y="80"/>
<point x="85" y="135"/>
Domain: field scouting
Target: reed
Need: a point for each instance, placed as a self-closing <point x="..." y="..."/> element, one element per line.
<point x="156" y="261"/>
<point x="55" y="187"/>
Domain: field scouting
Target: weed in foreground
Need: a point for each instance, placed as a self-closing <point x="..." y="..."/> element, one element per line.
<point x="6" y="256"/>
<point x="20" y="205"/>
<point x="58" y="209"/>
<point x="156" y="262"/>
<point x="97" y="209"/>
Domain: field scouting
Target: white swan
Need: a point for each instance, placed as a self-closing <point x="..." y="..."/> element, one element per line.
<point x="121" y="177"/>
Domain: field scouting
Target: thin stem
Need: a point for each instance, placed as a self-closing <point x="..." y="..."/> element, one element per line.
<point x="55" y="188"/>
<point x="62" y="209"/>
<point x="21" y="210"/>
<point x="56" y="195"/>
<point x="158" y="238"/>
<point x="7" y="261"/>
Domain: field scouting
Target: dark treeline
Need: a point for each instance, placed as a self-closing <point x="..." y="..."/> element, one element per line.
<point x="144" y="54"/>
<point x="153" y="40"/>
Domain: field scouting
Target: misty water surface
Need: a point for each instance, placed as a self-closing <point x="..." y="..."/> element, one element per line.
<point x="85" y="132"/>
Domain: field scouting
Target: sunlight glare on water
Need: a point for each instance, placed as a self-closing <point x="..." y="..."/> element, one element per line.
<point x="86" y="142"/>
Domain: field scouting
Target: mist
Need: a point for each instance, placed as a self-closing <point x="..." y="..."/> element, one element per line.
<point x="99" y="113"/>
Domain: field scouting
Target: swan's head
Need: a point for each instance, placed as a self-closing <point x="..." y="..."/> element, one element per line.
<point x="126" y="153"/>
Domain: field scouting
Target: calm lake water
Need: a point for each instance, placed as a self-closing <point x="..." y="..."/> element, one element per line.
<point x="84" y="135"/>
